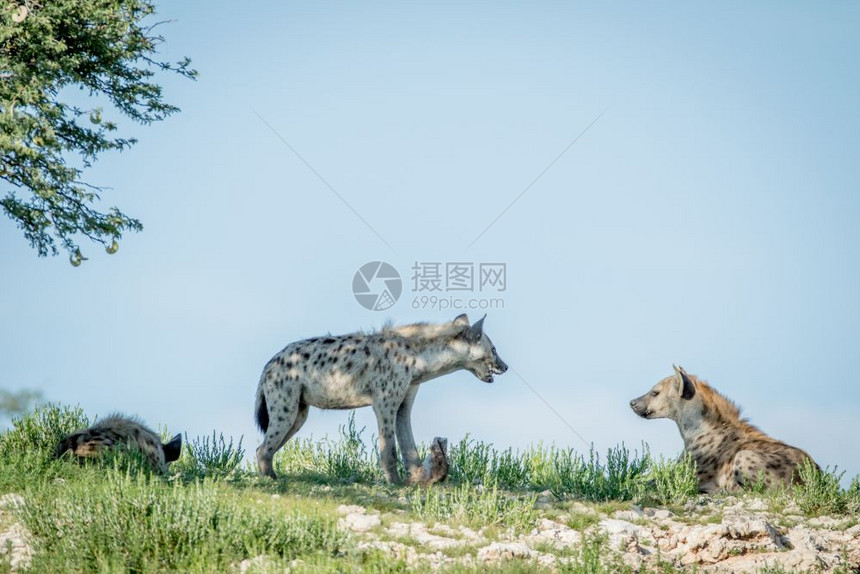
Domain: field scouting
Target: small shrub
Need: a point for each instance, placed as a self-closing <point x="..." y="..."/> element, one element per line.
<point x="669" y="481"/>
<point x="215" y="458"/>
<point x="593" y="557"/>
<point x="129" y="523"/>
<point x="476" y="506"/>
<point x="42" y="430"/>
<point x="818" y="491"/>
<point x="469" y="461"/>
<point x="348" y="459"/>
<point x="590" y="479"/>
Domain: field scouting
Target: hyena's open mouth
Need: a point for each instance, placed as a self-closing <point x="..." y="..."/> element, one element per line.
<point x="489" y="377"/>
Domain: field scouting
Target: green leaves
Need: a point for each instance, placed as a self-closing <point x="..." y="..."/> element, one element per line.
<point x="106" y="49"/>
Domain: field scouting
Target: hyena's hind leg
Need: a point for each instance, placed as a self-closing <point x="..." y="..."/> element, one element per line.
<point x="286" y="415"/>
<point x="750" y="467"/>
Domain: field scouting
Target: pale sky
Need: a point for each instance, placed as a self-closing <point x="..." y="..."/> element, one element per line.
<point x="708" y="218"/>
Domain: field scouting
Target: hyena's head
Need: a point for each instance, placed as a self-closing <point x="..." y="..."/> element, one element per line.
<point x="481" y="359"/>
<point x="668" y="398"/>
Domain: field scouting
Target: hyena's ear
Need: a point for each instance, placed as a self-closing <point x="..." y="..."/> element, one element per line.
<point x="685" y="383"/>
<point x="172" y="449"/>
<point x="476" y="331"/>
<point x="461" y="320"/>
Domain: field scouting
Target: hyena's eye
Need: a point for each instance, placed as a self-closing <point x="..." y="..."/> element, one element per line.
<point x="493" y="350"/>
<point x="655" y="393"/>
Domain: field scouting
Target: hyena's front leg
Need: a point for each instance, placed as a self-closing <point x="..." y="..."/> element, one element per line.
<point x="405" y="439"/>
<point x="385" y="411"/>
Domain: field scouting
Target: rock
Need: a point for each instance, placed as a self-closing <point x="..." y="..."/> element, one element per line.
<point x="756" y="528"/>
<point x="580" y="508"/>
<point x="11" y="501"/>
<point x="634" y="514"/>
<point x="623" y="534"/>
<point x="419" y="533"/>
<point x="359" y="521"/>
<point x="504" y="552"/>
<point x="659" y="513"/>
<point x="344" y="509"/>
<point x="15" y="548"/>
<point x="260" y="563"/>
<point x="555" y="534"/>
<point x="823" y="522"/>
<point x="804" y="538"/>
<point x="396" y="550"/>
<point x="470" y="534"/>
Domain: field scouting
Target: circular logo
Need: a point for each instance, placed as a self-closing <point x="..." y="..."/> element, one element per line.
<point x="377" y="286"/>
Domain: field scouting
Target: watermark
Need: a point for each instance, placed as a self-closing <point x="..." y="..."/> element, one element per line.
<point x="438" y="285"/>
<point x="456" y="303"/>
<point x="377" y="286"/>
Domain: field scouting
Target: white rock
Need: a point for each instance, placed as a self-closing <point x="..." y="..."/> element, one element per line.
<point x="659" y="513"/>
<point x="470" y="534"/>
<point x="554" y="534"/>
<point x="804" y="538"/>
<point x="757" y="505"/>
<point x="419" y="532"/>
<point x="755" y="528"/>
<point x="14" y="544"/>
<point x="260" y="563"/>
<point x="11" y="501"/>
<point x="504" y="551"/>
<point x="622" y="533"/>
<point x="344" y="509"/>
<point x="396" y="550"/>
<point x="359" y="522"/>
<point x="627" y="515"/>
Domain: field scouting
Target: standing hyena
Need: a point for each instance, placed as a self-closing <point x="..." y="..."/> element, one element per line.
<point x="115" y="430"/>
<point x="382" y="369"/>
<point x="729" y="452"/>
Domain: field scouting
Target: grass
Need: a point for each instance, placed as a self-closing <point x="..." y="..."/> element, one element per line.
<point x="212" y="511"/>
<point x="474" y="506"/>
<point x="162" y="526"/>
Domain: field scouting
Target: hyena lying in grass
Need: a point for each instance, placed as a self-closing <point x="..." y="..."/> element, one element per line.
<point x="117" y="430"/>
<point x="729" y="452"/>
<point x="381" y="369"/>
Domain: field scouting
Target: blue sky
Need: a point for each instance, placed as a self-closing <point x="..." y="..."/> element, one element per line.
<point x="707" y="218"/>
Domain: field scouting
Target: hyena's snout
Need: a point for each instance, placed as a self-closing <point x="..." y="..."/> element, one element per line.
<point x="499" y="367"/>
<point x="640" y="407"/>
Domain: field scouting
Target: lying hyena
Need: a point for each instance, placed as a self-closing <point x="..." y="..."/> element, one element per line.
<point x="729" y="452"/>
<point x="382" y="369"/>
<point x="117" y="430"/>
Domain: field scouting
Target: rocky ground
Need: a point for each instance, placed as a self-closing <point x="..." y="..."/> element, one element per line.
<point x="724" y="534"/>
<point x="715" y="535"/>
<point x="14" y="538"/>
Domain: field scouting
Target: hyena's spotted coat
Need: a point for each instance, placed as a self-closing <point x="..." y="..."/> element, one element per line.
<point x="381" y="369"/>
<point x="729" y="452"/>
<point x="116" y="430"/>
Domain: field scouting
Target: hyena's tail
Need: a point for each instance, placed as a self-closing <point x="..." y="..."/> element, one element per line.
<point x="261" y="410"/>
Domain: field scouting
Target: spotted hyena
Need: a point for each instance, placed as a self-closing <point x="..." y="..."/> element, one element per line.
<point x="382" y="369"/>
<point x="117" y="430"/>
<point x="729" y="452"/>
